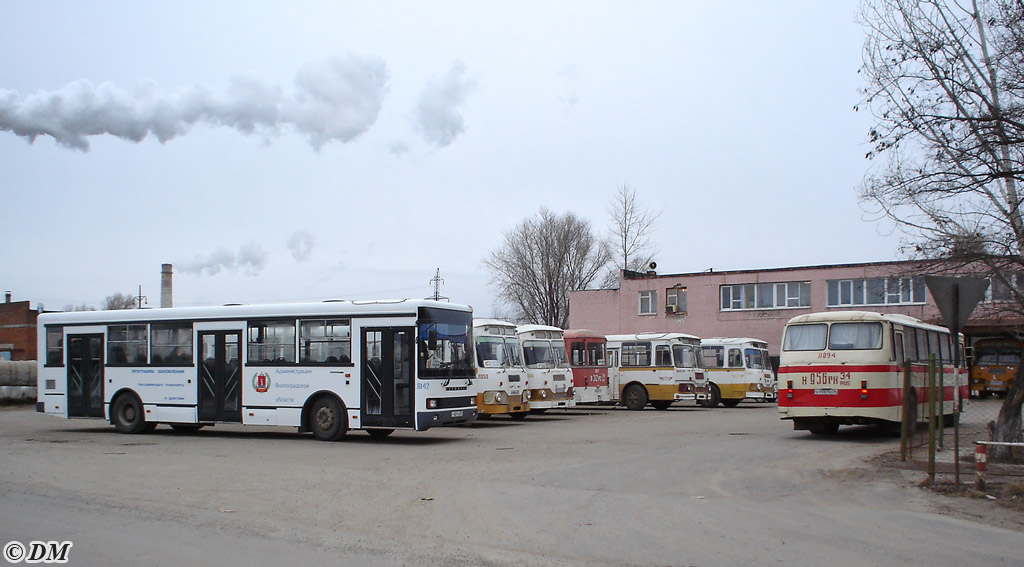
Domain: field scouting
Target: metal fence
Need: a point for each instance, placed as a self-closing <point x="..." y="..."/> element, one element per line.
<point x="956" y="457"/>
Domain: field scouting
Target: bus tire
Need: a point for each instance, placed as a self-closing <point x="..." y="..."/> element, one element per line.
<point x="380" y="433"/>
<point x="127" y="414"/>
<point x="950" y="419"/>
<point x="327" y="419"/>
<point x="634" y="397"/>
<point x="732" y="402"/>
<point x="714" y="396"/>
<point x="519" y="415"/>
<point x="661" y="404"/>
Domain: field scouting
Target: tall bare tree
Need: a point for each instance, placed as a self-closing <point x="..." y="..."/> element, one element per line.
<point x="543" y="259"/>
<point x="632" y="225"/>
<point x="945" y="88"/>
<point x="119" y="301"/>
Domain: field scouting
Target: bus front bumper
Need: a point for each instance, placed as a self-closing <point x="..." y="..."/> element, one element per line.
<point x="434" y="418"/>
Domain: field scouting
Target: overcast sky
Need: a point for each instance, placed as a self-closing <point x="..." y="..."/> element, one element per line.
<point x="281" y="151"/>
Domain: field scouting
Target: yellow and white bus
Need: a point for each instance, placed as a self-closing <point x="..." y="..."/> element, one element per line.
<point x="321" y="367"/>
<point x="500" y="375"/>
<point x="549" y="378"/>
<point x="655" y="368"/>
<point x="995" y="363"/>
<point x="847" y="367"/>
<point x="738" y="369"/>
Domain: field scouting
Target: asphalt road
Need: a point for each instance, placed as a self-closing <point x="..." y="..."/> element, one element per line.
<point x="585" y="487"/>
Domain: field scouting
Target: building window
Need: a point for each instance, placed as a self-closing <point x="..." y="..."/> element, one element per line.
<point x="675" y="300"/>
<point x="999" y="292"/>
<point x="126" y="344"/>
<point x="876" y="291"/>
<point x="648" y="302"/>
<point x="770" y="295"/>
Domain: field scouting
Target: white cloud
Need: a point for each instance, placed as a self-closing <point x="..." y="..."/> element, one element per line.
<point x="336" y="100"/>
<point x="301" y="245"/>
<point x="438" y="113"/>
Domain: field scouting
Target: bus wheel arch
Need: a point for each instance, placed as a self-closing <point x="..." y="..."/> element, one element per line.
<point x="714" y="396"/>
<point x="635" y="396"/>
<point x="326" y="417"/>
<point x="127" y="413"/>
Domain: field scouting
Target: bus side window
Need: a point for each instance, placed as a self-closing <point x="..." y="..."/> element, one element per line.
<point x="664" y="356"/>
<point x="735" y="358"/>
<point x="898" y="348"/>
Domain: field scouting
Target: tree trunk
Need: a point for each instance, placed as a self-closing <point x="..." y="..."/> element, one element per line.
<point x="1007" y="426"/>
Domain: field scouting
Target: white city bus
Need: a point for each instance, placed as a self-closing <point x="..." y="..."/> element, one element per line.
<point x="322" y="367"/>
<point x="500" y="376"/>
<point x="847" y="368"/>
<point x="549" y="377"/>
<point x="738" y="369"/>
<point x="656" y="368"/>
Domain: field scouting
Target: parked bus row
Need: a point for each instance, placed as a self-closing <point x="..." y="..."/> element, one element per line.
<point x="532" y="368"/>
<point x="378" y="366"/>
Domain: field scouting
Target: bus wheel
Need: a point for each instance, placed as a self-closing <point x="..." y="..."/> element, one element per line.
<point x="327" y="419"/>
<point x="127" y="415"/>
<point x="635" y="397"/>
<point x="519" y="415"/>
<point x="731" y="403"/>
<point x="380" y="433"/>
<point x="661" y="404"/>
<point x="824" y="429"/>
<point x="714" y="397"/>
<point x="950" y="419"/>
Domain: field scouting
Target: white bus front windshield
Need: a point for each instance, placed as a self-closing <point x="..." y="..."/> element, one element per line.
<point x="538" y="354"/>
<point x="687" y="356"/>
<point x="444" y="339"/>
<point x="805" y="337"/>
<point x="560" y="357"/>
<point x="490" y="352"/>
<point x="757" y="359"/>
<point x="512" y="352"/>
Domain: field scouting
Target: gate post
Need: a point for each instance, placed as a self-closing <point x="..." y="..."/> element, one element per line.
<point x="980" y="464"/>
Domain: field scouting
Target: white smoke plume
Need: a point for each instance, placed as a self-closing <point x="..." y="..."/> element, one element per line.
<point x="438" y="114"/>
<point x="336" y="100"/>
<point x="250" y="258"/>
<point x="301" y="245"/>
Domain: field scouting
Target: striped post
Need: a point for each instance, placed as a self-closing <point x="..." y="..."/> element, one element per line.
<point x="980" y="462"/>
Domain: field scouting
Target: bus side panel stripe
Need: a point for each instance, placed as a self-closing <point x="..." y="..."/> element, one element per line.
<point x="851" y="398"/>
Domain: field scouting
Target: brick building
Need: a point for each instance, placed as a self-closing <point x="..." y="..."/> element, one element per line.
<point x="17" y="330"/>
<point x="758" y="303"/>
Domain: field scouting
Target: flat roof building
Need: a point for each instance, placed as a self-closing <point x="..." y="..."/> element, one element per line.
<point x="758" y="303"/>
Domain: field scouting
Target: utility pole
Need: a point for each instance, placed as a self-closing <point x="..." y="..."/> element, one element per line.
<point x="141" y="299"/>
<point x="436" y="282"/>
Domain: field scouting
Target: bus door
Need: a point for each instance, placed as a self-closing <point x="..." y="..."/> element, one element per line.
<point x="85" y="375"/>
<point x="220" y="375"/>
<point x="387" y="376"/>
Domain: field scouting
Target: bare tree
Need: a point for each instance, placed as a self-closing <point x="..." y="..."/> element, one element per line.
<point x="543" y="259"/>
<point x="631" y="229"/>
<point x="945" y="89"/>
<point x="119" y="301"/>
<point x="79" y="307"/>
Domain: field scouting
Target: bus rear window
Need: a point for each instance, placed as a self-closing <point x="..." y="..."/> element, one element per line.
<point x="855" y="336"/>
<point x="805" y="337"/>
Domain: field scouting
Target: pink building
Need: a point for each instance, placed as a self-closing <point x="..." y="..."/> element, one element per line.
<point x="756" y="303"/>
